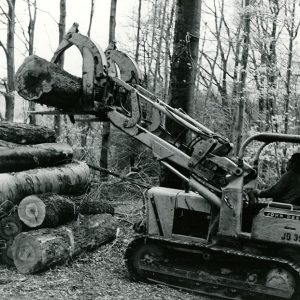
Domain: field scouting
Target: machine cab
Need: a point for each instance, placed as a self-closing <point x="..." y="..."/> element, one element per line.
<point x="269" y="221"/>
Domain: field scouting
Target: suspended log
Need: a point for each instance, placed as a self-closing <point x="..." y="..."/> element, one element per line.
<point x="10" y="226"/>
<point x="48" y="210"/>
<point x="6" y="253"/>
<point x="26" y="134"/>
<point x="72" y="178"/>
<point x="33" y="156"/>
<point x="46" y="83"/>
<point x="39" y="249"/>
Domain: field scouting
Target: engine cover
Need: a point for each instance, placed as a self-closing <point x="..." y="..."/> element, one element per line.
<point x="277" y="225"/>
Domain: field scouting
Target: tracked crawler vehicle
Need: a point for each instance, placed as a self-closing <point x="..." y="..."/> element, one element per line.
<point x="199" y="239"/>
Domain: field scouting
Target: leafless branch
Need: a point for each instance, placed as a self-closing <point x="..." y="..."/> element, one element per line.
<point x="4" y="13"/>
<point x="4" y="49"/>
<point x="91" y="17"/>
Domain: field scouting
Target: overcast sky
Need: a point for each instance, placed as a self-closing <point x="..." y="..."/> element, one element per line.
<point x="46" y="38"/>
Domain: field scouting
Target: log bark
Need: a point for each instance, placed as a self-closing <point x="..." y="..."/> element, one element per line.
<point x="93" y="206"/>
<point x="70" y="178"/>
<point x="36" y="250"/>
<point x="32" y="156"/>
<point x="10" y="226"/>
<point x="46" y="83"/>
<point x="48" y="210"/>
<point x="8" y="144"/>
<point x="26" y="134"/>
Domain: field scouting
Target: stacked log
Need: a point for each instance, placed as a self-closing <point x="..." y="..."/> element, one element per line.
<point x="36" y="250"/>
<point x="10" y="227"/>
<point x="38" y="181"/>
<point x="52" y="210"/>
<point x="14" y="159"/>
<point x="48" y="210"/>
<point x="69" y="178"/>
<point x="26" y="134"/>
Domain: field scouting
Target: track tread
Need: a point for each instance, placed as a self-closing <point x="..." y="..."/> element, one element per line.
<point x="169" y="242"/>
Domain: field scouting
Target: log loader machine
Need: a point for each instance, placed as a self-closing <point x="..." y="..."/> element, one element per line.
<point x="194" y="239"/>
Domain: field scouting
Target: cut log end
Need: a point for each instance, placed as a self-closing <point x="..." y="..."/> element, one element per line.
<point x="10" y="226"/>
<point x="26" y="253"/>
<point x="46" y="83"/>
<point x="32" y="211"/>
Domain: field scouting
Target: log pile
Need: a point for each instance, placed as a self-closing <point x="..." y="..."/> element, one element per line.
<point x="46" y="217"/>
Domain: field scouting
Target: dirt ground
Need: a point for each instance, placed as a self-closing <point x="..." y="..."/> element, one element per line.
<point x="97" y="275"/>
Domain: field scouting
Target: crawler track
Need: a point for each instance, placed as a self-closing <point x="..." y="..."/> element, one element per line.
<point x="215" y="271"/>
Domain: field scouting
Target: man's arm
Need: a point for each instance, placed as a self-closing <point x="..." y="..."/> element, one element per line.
<point x="278" y="189"/>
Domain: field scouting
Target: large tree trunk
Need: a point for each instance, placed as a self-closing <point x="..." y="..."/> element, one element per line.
<point x="46" y="83"/>
<point x="26" y="134"/>
<point x="36" y="250"/>
<point x="67" y="179"/>
<point x="185" y="58"/>
<point x="183" y="72"/>
<point x="33" y="156"/>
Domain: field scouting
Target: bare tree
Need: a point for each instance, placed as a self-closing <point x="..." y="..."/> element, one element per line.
<point x="106" y="125"/>
<point x="137" y="49"/>
<point x="32" y="13"/>
<point x="91" y="17"/>
<point x="168" y="37"/>
<point x="159" y="46"/>
<point x="238" y="128"/>
<point x="292" y="29"/>
<point x="153" y="37"/>
<point x="62" y="31"/>
<point x="9" y="51"/>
